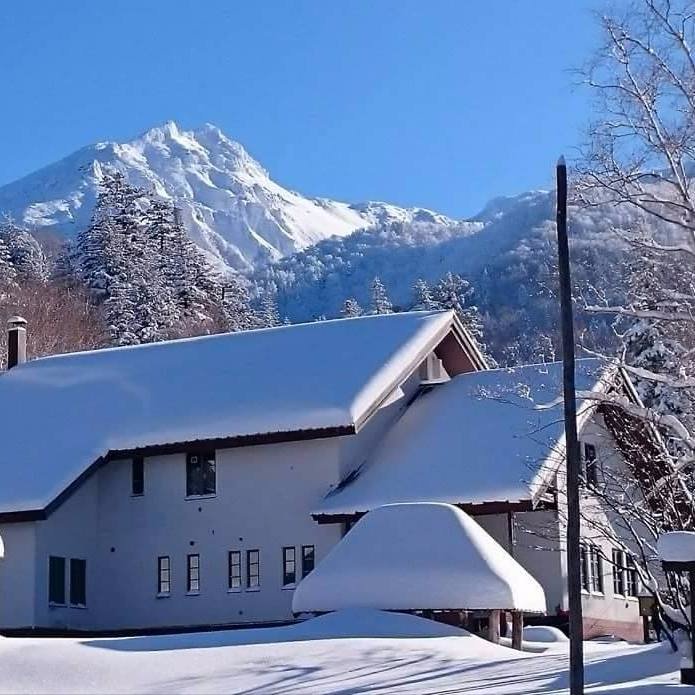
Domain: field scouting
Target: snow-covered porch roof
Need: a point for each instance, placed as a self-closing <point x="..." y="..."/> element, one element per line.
<point x="478" y="440"/>
<point x="63" y="415"/>
<point x="422" y="556"/>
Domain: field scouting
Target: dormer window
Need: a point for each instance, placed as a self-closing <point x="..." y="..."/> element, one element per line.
<point x="201" y="476"/>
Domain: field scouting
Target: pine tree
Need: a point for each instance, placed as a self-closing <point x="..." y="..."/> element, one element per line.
<point x="26" y="255"/>
<point x="657" y="344"/>
<point x="454" y="292"/>
<point x="351" y="308"/>
<point x="423" y="300"/>
<point x="381" y="304"/>
<point x="235" y="306"/>
<point x="136" y="259"/>
<point x="268" y="315"/>
<point x="8" y="274"/>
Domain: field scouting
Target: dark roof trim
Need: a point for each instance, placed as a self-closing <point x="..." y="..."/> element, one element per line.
<point x="480" y="509"/>
<point x="175" y="448"/>
<point x="235" y="442"/>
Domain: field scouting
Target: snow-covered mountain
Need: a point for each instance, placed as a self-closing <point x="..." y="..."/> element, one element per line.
<point x="232" y="208"/>
<point x="508" y="252"/>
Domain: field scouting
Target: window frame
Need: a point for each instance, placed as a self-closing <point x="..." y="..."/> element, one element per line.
<point x="200" y="487"/>
<point x="306" y="571"/>
<point x="53" y="601"/>
<point x="289" y="567"/>
<point x="631" y="577"/>
<point x="232" y="576"/>
<point x="137" y="464"/>
<point x="596" y="562"/>
<point x="619" y="586"/>
<point x="590" y="464"/>
<point x="161" y="581"/>
<point x="585" y="569"/>
<point x="249" y="564"/>
<point x="76" y="562"/>
<point x="193" y="574"/>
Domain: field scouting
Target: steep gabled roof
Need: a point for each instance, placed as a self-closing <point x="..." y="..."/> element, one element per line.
<point x="61" y="414"/>
<point x="479" y="439"/>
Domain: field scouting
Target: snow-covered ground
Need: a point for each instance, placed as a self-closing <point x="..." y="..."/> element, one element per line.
<point x="350" y="652"/>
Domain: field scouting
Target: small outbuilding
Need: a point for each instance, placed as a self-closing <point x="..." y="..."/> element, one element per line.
<point x="421" y="557"/>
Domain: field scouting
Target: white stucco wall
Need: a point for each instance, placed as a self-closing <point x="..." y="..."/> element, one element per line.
<point x="264" y="496"/>
<point x="18" y="576"/>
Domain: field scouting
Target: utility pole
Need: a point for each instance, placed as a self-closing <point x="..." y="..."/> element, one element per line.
<point x="576" y="670"/>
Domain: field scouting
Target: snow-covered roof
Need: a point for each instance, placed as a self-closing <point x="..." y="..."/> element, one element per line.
<point x="418" y="556"/>
<point x="62" y="413"/>
<point x="477" y="439"/>
<point x="677" y="546"/>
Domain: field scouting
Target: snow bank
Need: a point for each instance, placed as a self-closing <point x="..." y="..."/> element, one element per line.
<point x="418" y="556"/>
<point x="62" y="413"/>
<point x="677" y="546"/>
<point x="447" y="443"/>
<point x="544" y="633"/>
<point x="366" y="622"/>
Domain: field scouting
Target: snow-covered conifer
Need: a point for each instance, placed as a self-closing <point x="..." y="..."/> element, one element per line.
<point x="26" y="255"/>
<point x="422" y="296"/>
<point x="454" y="292"/>
<point x="381" y="304"/>
<point x="235" y="306"/>
<point x="351" y="308"/>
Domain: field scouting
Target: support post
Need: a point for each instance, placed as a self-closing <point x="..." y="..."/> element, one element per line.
<point x="645" y="629"/>
<point x="576" y="669"/>
<point x="510" y="532"/>
<point x="691" y="577"/>
<point x="517" y="629"/>
<point x="493" y="627"/>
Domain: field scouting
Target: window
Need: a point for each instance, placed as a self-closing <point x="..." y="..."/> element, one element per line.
<point x="289" y="566"/>
<point x="590" y="465"/>
<point x="56" y="580"/>
<point x="618" y="573"/>
<point x="630" y="576"/>
<point x="253" y="573"/>
<point x="163" y="575"/>
<point x="235" y="570"/>
<point x="596" y="562"/>
<point x="78" y="582"/>
<point x="584" y="558"/>
<point x="200" y="474"/>
<point x="308" y="555"/>
<point x="193" y="574"/>
<point x="137" y="476"/>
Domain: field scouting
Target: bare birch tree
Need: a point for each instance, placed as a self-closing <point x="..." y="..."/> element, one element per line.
<point x="639" y="154"/>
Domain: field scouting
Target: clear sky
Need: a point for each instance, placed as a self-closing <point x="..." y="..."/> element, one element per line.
<point x="438" y="103"/>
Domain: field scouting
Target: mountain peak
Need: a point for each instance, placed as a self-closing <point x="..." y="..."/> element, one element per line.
<point x="231" y="207"/>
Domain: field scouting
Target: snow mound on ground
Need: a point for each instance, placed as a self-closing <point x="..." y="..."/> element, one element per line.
<point x="418" y="556"/>
<point x="366" y="622"/>
<point x="544" y="633"/>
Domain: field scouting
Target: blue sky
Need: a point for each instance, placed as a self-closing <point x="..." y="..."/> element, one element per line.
<point x="438" y="103"/>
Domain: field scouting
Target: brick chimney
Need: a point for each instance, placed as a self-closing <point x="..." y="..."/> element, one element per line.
<point x="16" y="341"/>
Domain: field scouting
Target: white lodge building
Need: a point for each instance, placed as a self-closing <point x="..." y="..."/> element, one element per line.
<point x="195" y="482"/>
